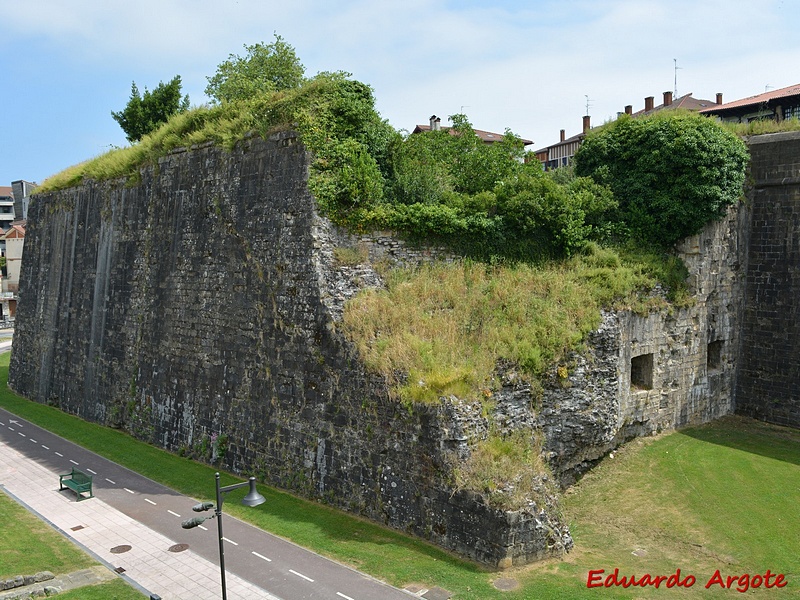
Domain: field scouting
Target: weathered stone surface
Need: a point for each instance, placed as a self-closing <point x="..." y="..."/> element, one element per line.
<point x="645" y="374"/>
<point x="199" y="310"/>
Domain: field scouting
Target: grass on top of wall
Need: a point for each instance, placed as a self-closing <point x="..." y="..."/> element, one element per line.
<point x="763" y="126"/>
<point x="445" y="326"/>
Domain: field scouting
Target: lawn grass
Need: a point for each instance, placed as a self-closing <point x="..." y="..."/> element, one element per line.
<point x="113" y="590"/>
<point x="721" y="496"/>
<point x="27" y="545"/>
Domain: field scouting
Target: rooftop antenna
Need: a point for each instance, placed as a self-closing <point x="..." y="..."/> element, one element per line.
<point x="675" y="91"/>
<point x="588" y="103"/>
<point x="767" y="88"/>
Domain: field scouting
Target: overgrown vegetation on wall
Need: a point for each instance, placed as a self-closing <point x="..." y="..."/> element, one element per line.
<point x="645" y="181"/>
<point x="671" y="173"/>
<point x="652" y="180"/>
<point x="544" y="251"/>
<point x="442" y="329"/>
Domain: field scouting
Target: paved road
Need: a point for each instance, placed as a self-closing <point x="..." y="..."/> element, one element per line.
<point x="273" y="564"/>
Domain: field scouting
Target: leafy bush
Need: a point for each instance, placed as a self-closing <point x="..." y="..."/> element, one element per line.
<point x="266" y="68"/>
<point x="334" y="116"/>
<point x="670" y="173"/>
<point x="484" y="202"/>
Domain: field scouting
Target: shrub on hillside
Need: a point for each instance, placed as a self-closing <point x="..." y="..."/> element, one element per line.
<point x="670" y="173"/>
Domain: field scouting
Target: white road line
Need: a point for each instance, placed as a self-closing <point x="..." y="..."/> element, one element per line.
<point x="203" y="528"/>
<point x="73" y="462"/>
<point x="262" y="557"/>
<point x="174" y="514"/>
<point x="92" y="472"/>
<point x="45" y="447"/>
<point x="59" y="454"/>
<point x="150" y="501"/>
<point x="301" y="575"/>
<point x="22" y="434"/>
<point x="343" y="596"/>
<point x="129" y="491"/>
<point x="3" y="424"/>
<point x="11" y="429"/>
<point x="33" y="440"/>
<point x="231" y="541"/>
<point x="111" y="482"/>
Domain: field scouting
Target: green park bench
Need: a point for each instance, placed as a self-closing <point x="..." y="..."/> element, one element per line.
<point x="77" y="481"/>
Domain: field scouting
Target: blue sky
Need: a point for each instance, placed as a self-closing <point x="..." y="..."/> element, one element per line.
<point x="528" y="66"/>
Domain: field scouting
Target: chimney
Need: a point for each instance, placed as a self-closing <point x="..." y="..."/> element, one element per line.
<point x="719" y="98"/>
<point x="629" y="109"/>
<point x="667" y="98"/>
<point x="563" y="137"/>
<point x="586" y="123"/>
<point x="648" y="103"/>
<point x="436" y="123"/>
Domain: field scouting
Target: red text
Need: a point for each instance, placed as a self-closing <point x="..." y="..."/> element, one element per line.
<point x="613" y="579"/>
<point x="747" y="581"/>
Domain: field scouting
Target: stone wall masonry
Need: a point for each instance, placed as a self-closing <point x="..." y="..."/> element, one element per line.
<point x="197" y="310"/>
<point x="643" y="374"/>
<point x="768" y="384"/>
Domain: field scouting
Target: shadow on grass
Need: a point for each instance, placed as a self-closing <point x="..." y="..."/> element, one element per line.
<point x="750" y="435"/>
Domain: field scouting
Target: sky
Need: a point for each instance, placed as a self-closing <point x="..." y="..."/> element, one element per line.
<point x="532" y="67"/>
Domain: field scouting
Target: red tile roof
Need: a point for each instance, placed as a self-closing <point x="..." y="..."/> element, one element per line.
<point x="686" y="102"/>
<point x="792" y="90"/>
<point x="5" y="190"/>
<point x="486" y="136"/>
<point x="15" y="231"/>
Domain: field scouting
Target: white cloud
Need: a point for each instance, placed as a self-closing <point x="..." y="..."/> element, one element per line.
<point x="508" y="63"/>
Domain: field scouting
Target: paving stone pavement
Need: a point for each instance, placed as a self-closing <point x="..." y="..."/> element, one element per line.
<point x="93" y="525"/>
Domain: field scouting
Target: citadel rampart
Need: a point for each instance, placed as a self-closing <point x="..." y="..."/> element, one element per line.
<point x="199" y="311"/>
<point x="768" y="384"/>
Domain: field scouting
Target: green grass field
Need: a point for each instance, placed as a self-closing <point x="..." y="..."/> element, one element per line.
<point x="28" y="546"/>
<point x="722" y="496"/>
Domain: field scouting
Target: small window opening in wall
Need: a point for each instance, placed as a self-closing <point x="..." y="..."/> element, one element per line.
<point x="642" y="372"/>
<point x="714" y="355"/>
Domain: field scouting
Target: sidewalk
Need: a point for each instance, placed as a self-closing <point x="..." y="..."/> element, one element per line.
<point x="154" y="563"/>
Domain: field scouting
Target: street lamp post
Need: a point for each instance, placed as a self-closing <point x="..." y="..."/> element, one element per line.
<point x="253" y="498"/>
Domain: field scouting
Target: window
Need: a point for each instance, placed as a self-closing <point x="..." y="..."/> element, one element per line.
<point x="642" y="372"/>
<point x="714" y="355"/>
<point x="790" y="112"/>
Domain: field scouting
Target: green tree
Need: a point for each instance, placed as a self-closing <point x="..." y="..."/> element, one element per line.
<point x="670" y="173"/>
<point x="144" y="113"/>
<point x="266" y="68"/>
<point x="426" y="166"/>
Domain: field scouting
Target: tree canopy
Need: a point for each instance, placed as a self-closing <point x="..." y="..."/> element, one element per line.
<point x="671" y="173"/>
<point x="144" y="113"/>
<point x="265" y="68"/>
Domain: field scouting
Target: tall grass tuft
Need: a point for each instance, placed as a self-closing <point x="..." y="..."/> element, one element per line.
<point x="444" y="327"/>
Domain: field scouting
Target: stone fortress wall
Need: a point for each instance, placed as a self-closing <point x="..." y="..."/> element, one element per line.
<point x="199" y="310"/>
